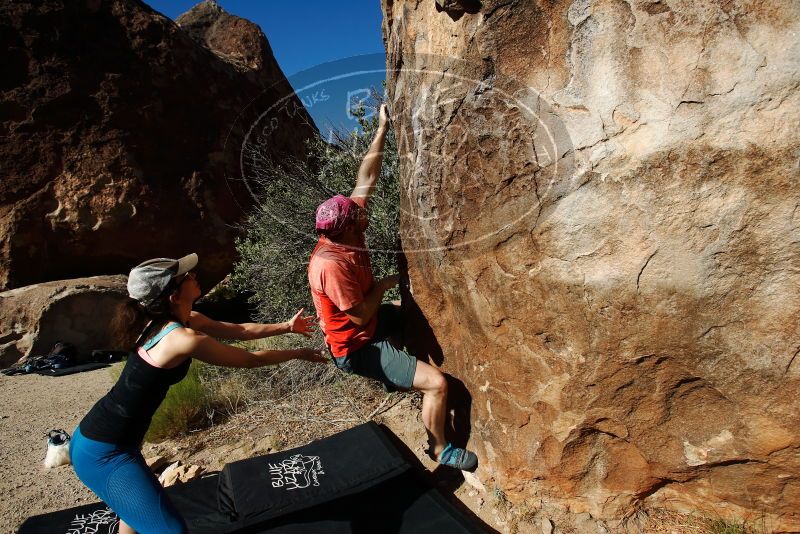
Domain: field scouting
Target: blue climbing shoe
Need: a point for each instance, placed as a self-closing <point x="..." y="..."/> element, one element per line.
<point x="458" y="458"/>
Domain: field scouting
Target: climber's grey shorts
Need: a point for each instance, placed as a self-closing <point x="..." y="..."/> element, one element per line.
<point x="379" y="359"/>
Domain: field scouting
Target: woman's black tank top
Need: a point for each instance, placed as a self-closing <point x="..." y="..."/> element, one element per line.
<point x="123" y="415"/>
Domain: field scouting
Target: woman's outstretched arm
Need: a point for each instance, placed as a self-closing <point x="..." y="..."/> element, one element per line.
<point x="209" y="350"/>
<point x="299" y="324"/>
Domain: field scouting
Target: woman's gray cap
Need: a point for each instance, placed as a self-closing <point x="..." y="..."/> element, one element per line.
<point x="148" y="280"/>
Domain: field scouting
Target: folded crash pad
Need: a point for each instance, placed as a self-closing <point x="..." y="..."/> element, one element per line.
<point x="96" y="518"/>
<point x="400" y="505"/>
<point x="263" y="487"/>
<point x="195" y="500"/>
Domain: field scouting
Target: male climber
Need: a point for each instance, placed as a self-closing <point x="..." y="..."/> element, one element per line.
<point x="356" y="323"/>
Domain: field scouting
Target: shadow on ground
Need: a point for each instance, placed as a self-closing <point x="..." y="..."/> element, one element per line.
<point x="445" y="479"/>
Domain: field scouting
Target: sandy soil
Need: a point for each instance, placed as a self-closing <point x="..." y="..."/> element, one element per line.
<point x="30" y="405"/>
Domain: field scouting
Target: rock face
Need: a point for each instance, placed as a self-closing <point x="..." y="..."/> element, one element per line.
<point x="600" y="216"/>
<point x="80" y="311"/>
<point x="120" y="136"/>
<point x="234" y="39"/>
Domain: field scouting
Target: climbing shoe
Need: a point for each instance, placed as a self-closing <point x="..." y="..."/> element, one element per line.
<point x="458" y="458"/>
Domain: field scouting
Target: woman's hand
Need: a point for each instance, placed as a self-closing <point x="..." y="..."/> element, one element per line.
<point x="300" y="324"/>
<point x="311" y="355"/>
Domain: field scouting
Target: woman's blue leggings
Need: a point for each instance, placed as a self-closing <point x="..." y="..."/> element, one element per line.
<point x="121" y="478"/>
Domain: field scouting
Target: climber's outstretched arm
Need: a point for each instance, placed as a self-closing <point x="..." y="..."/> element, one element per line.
<point x="371" y="165"/>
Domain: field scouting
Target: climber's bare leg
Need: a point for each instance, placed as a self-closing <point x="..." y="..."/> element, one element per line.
<point x="433" y="385"/>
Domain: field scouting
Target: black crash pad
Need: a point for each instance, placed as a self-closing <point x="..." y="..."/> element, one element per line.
<point x="263" y="487"/>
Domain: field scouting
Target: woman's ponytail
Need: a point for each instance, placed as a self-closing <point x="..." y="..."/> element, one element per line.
<point x="127" y="323"/>
<point x="133" y="322"/>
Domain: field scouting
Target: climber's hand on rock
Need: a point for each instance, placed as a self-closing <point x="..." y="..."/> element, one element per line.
<point x="383" y="115"/>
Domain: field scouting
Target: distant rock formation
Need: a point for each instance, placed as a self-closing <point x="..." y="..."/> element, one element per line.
<point x="235" y="40"/>
<point x="80" y="311"/>
<point x="120" y="135"/>
<point x="601" y="218"/>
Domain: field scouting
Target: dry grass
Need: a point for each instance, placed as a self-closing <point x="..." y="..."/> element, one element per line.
<point x="295" y="410"/>
<point x="301" y="401"/>
<point x="670" y="522"/>
<point x="524" y="518"/>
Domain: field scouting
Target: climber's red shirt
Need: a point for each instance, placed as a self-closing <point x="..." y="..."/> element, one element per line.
<point x="340" y="277"/>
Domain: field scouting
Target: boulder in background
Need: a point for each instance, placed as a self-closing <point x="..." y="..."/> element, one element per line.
<point x="120" y="136"/>
<point x="79" y="311"/>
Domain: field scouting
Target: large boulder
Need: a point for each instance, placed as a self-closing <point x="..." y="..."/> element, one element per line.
<point x="79" y="311"/>
<point x="120" y="136"/>
<point x="236" y="40"/>
<point x="601" y="215"/>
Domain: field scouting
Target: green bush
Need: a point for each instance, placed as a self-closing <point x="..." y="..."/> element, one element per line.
<point x="278" y="235"/>
<point x="184" y="407"/>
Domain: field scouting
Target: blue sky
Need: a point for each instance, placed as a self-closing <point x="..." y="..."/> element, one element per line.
<point x="314" y="41"/>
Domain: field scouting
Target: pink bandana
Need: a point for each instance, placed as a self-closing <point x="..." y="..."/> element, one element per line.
<point x="334" y="214"/>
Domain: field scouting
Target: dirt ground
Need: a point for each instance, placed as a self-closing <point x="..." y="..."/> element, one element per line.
<point x="30" y="405"/>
